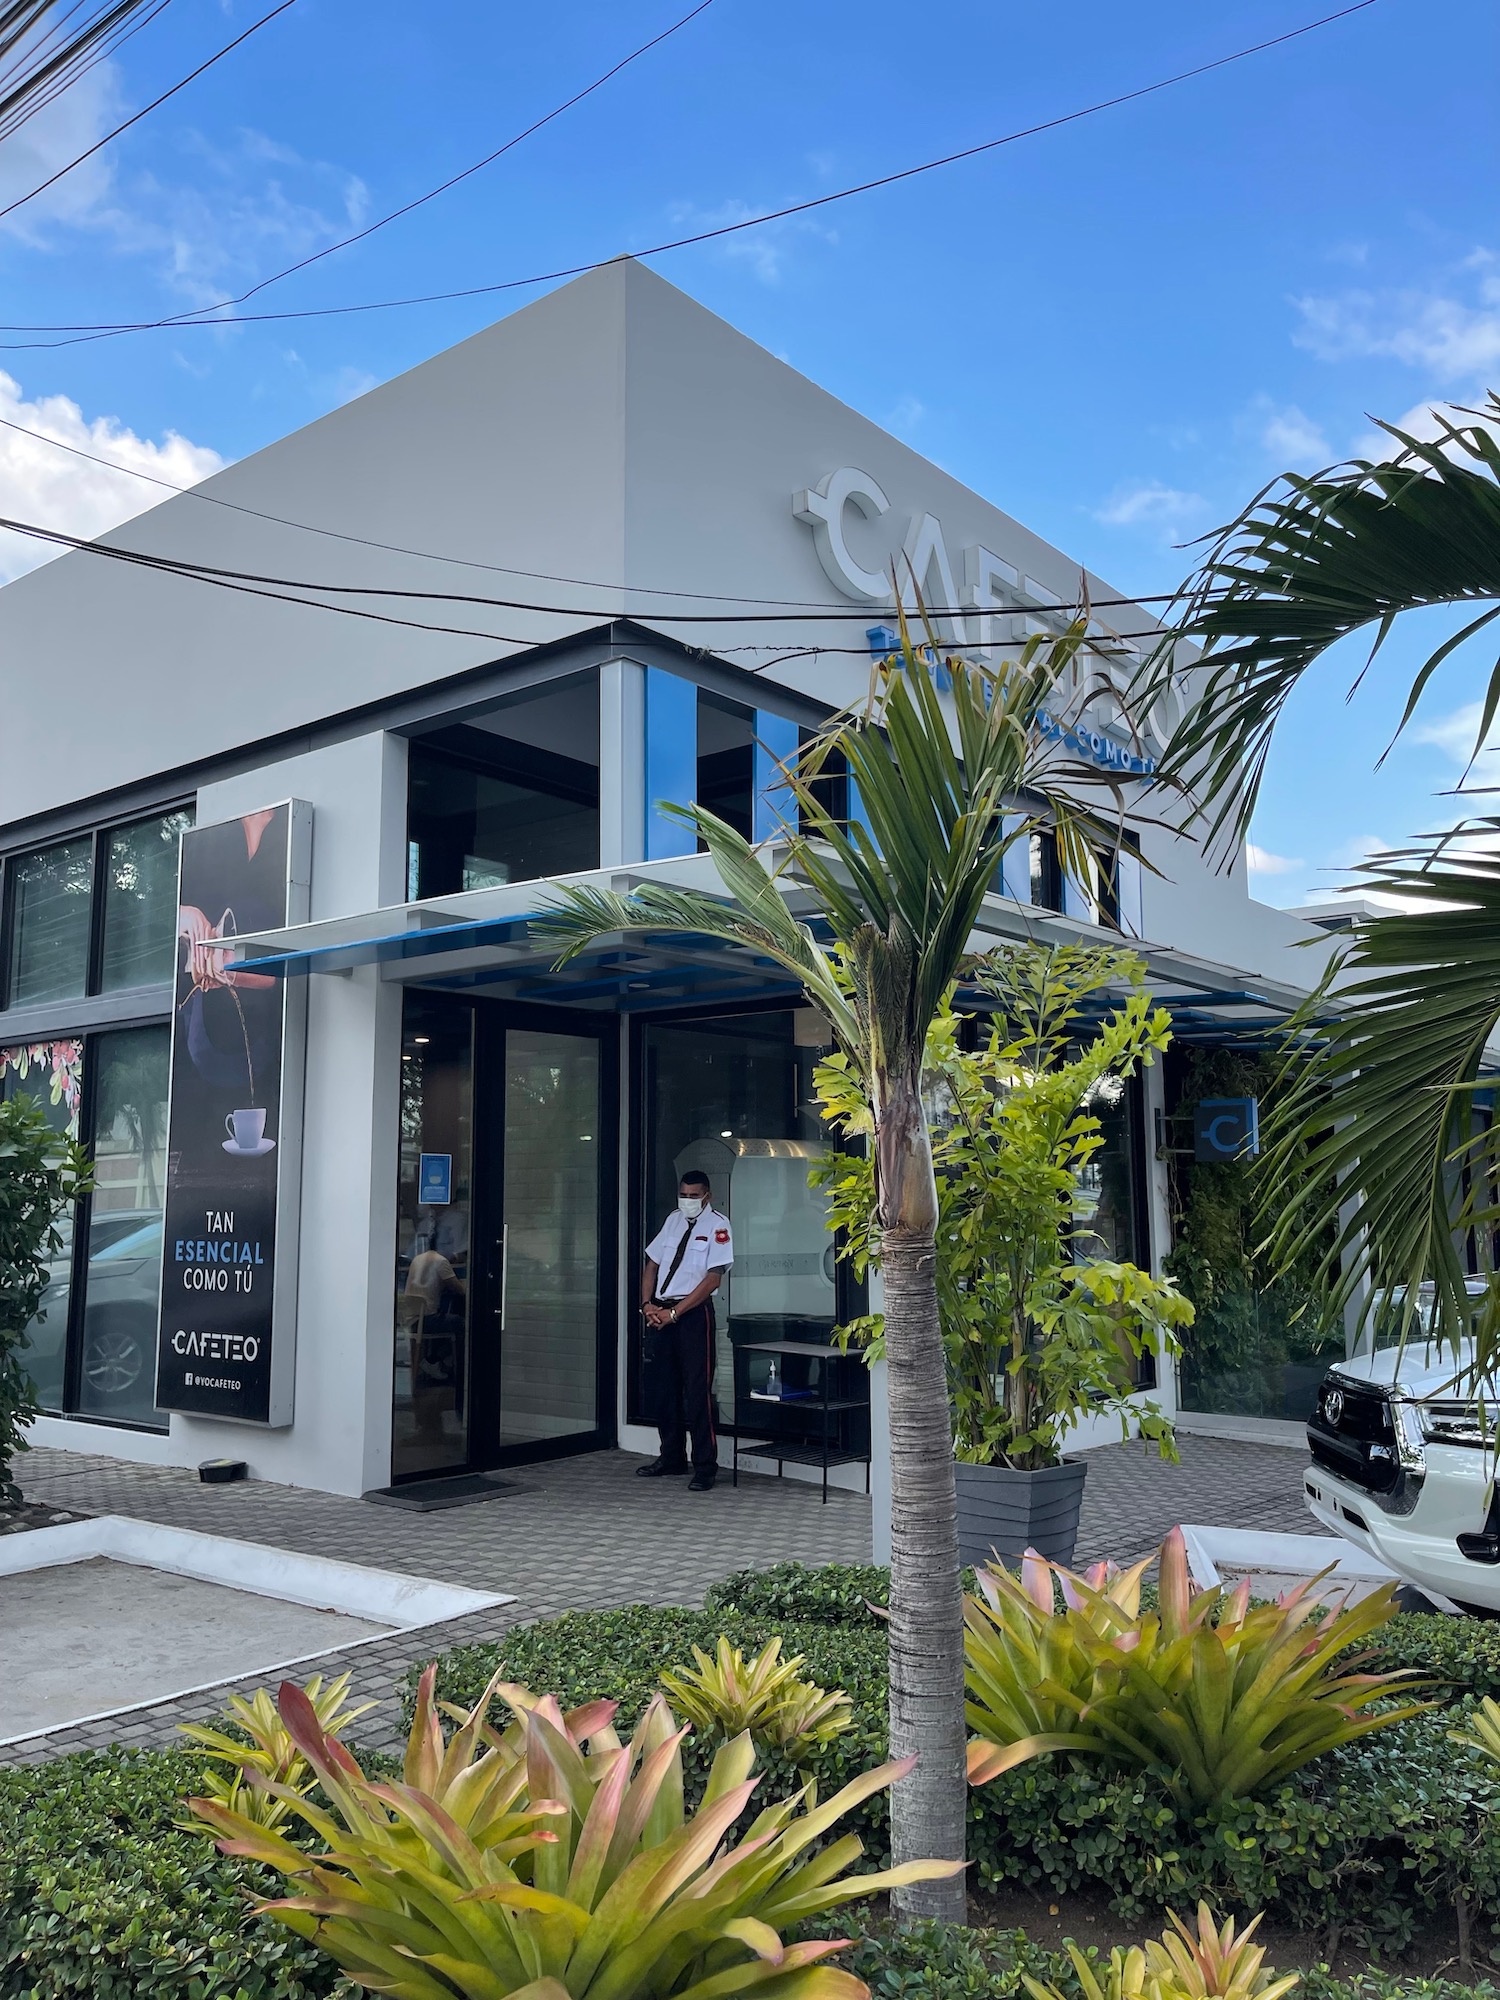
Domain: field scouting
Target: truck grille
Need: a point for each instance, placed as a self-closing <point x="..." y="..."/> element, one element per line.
<point x="1353" y="1434"/>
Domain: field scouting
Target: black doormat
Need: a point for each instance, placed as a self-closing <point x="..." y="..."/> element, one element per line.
<point x="432" y="1496"/>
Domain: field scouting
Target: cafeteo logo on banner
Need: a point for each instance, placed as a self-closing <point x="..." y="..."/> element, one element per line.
<point x="229" y="1256"/>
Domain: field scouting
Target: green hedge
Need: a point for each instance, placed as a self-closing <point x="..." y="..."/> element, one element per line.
<point x="943" y="1962"/>
<point x="101" y="1895"/>
<point x="1374" y="1841"/>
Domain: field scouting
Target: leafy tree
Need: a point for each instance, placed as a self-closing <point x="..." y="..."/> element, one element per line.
<point x="874" y="917"/>
<point x="41" y="1172"/>
<point x="1036" y="1325"/>
<point x="1387" y="1101"/>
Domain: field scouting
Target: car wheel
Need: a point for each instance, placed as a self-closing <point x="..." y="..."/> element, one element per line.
<point x="113" y="1358"/>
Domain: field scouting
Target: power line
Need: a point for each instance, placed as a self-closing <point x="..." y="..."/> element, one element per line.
<point x="792" y="605"/>
<point x="109" y="137"/>
<point x="106" y="330"/>
<point x="45" y="66"/>
<point x="432" y="193"/>
<point x="262" y="583"/>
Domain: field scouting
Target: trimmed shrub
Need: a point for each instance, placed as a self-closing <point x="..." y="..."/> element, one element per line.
<point x="1462" y="1654"/>
<point x="102" y="1896"/>
<point x="797" y="1594"/>
<point x="1374" y="1840"/>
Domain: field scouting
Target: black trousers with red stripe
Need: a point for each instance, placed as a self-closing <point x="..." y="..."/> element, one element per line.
<point x="684" y="1372"/>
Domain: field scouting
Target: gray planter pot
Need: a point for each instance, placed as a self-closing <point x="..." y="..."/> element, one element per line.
<point x="1003" y="1512"/>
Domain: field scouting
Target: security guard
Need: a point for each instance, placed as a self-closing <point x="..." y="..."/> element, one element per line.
<point x="684" y="1262"/>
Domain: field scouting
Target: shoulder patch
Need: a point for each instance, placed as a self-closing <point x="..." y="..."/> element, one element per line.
<point x="721" y="1236"/>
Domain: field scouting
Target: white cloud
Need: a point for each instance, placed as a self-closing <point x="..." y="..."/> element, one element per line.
<point x="1455" y="734"/>
<point x="1169" y="510"/>
<point x="1261" y="861"/>
<point x="49" y="139"/>
<point x="1294" y="440"/>
<point x="763" y="249"/>
<point x="57" y="490"/>
<point x="1451" y="337"/>
<point x="906" y="414"/>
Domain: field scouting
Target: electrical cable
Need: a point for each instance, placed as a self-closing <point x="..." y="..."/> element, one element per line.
<point x="43" y="71"/>
<point x="820" y="614"/>
<point x="109" y="137"/>
<point x="789" y="604"/>
<point x="432" y="193"/>
<point x="85" y="331"/>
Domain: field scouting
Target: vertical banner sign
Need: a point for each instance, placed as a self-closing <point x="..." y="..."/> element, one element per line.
<point x="225" y="1346"/>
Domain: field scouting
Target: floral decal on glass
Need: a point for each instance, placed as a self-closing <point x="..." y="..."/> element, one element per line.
<point x="61" y="1066"/>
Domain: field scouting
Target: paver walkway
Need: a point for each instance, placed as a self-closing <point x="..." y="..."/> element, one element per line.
<point x="585" y="1533"/>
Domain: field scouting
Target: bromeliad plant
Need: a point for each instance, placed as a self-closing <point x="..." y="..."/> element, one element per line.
<point x="270" y="1752"/>
<point x="727" y="1695"/>
<point x="551" y="1861"/>
<point x="1220" y="1697"/>
<point x="1209" y="1964"/>
<point x="1039" y="1329"/>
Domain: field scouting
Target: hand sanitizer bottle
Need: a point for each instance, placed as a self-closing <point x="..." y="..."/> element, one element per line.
<point x="773" y="1381"/>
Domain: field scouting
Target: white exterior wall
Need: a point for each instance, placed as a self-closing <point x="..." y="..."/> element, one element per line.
<point x="616" y="431"/>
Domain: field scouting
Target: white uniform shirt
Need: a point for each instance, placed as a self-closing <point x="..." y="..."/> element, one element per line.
<point x="711" y="1249"/>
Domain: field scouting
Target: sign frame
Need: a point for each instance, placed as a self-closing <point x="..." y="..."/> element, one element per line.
<point x="262" y="1390"/>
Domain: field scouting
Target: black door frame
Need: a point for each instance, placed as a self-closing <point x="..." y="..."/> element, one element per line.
<point x="491" y="1018"/>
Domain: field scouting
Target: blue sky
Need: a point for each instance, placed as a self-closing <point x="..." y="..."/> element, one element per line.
<point x="1117" y="331"/>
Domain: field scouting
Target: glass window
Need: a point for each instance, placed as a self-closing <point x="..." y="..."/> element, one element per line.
<point x="726" y="762"/>
<point x="732" y="1097"/>
<point x="49" y="893"/>
<point x="1046" y="872"/>
<point x="52" y="1074"/>
<point x="140" y="902"/>
<point x="430" y="1404"/>
<point x="117" y="1360"/>
<point x="510" y="799"/>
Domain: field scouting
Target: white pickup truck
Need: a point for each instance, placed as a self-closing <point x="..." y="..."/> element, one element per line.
<point x="1403" y="1456"/>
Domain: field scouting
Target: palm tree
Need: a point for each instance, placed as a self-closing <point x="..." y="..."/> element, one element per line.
<point x="1384" y="1103"/>
<point x="892" y="897"/>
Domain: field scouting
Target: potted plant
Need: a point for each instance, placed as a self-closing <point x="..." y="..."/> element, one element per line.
<point x="1040" y="1329"/>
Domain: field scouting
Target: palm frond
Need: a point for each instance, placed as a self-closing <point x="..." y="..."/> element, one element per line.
<point x="1308" y="562"/>
<point x="1384" y="1105"/>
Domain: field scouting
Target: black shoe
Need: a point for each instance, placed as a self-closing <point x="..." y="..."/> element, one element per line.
<point x="659" y="1469"/>
<point x="702" y="1482"/>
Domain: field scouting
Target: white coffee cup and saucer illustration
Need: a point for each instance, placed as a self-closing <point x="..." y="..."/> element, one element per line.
<point x="247" y="1134"/>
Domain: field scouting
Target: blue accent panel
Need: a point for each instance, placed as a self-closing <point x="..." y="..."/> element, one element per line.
<point x="857" y="815"/>
<point x="1077" y="903"/>
<point x="775" y="744"/>
<point x="1015" y="864"/>
<point x="671" y="761"/>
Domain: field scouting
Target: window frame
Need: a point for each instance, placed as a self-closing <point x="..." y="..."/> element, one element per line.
<point x="100" y="837"/>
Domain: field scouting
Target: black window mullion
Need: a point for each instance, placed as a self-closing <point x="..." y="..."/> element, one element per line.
<point x="98" y="868"/>
<point x="83" y="1214"/>
<point x="7" y="873"/>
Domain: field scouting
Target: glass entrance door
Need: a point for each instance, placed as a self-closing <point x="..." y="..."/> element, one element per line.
<point x="551" y="1235"/>
<point x="504" y="1311"/>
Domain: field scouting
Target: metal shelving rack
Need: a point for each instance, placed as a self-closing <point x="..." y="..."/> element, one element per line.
<point x="817" y="1444"/>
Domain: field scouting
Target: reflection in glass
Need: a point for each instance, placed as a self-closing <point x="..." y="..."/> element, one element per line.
<point x="49" y="894"/>
<point x="52" y="1074"/>
<point x="510" y="798"/>
<point x="140" y="902"/>
<point x="549" y="1323"/>
<point x="117" y="1362"/>
<point x="733" y="1097"/>
<point x="430" y="1411"/>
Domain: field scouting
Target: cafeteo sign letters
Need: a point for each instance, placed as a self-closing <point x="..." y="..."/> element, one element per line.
<point x="229" y="1256"/>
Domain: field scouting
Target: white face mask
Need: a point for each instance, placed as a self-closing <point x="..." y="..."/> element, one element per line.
<point x="691" y="1205"/>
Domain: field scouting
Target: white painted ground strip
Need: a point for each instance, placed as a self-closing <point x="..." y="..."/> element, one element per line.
<point x="379" y="1596"/>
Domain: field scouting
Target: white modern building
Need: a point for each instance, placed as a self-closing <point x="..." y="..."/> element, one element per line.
<point x="470" y="630"/>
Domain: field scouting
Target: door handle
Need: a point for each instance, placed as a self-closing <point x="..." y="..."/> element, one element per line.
<point x="504" y="1270"/>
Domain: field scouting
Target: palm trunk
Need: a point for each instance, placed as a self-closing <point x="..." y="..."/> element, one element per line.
<point x="928" y="1809"/>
